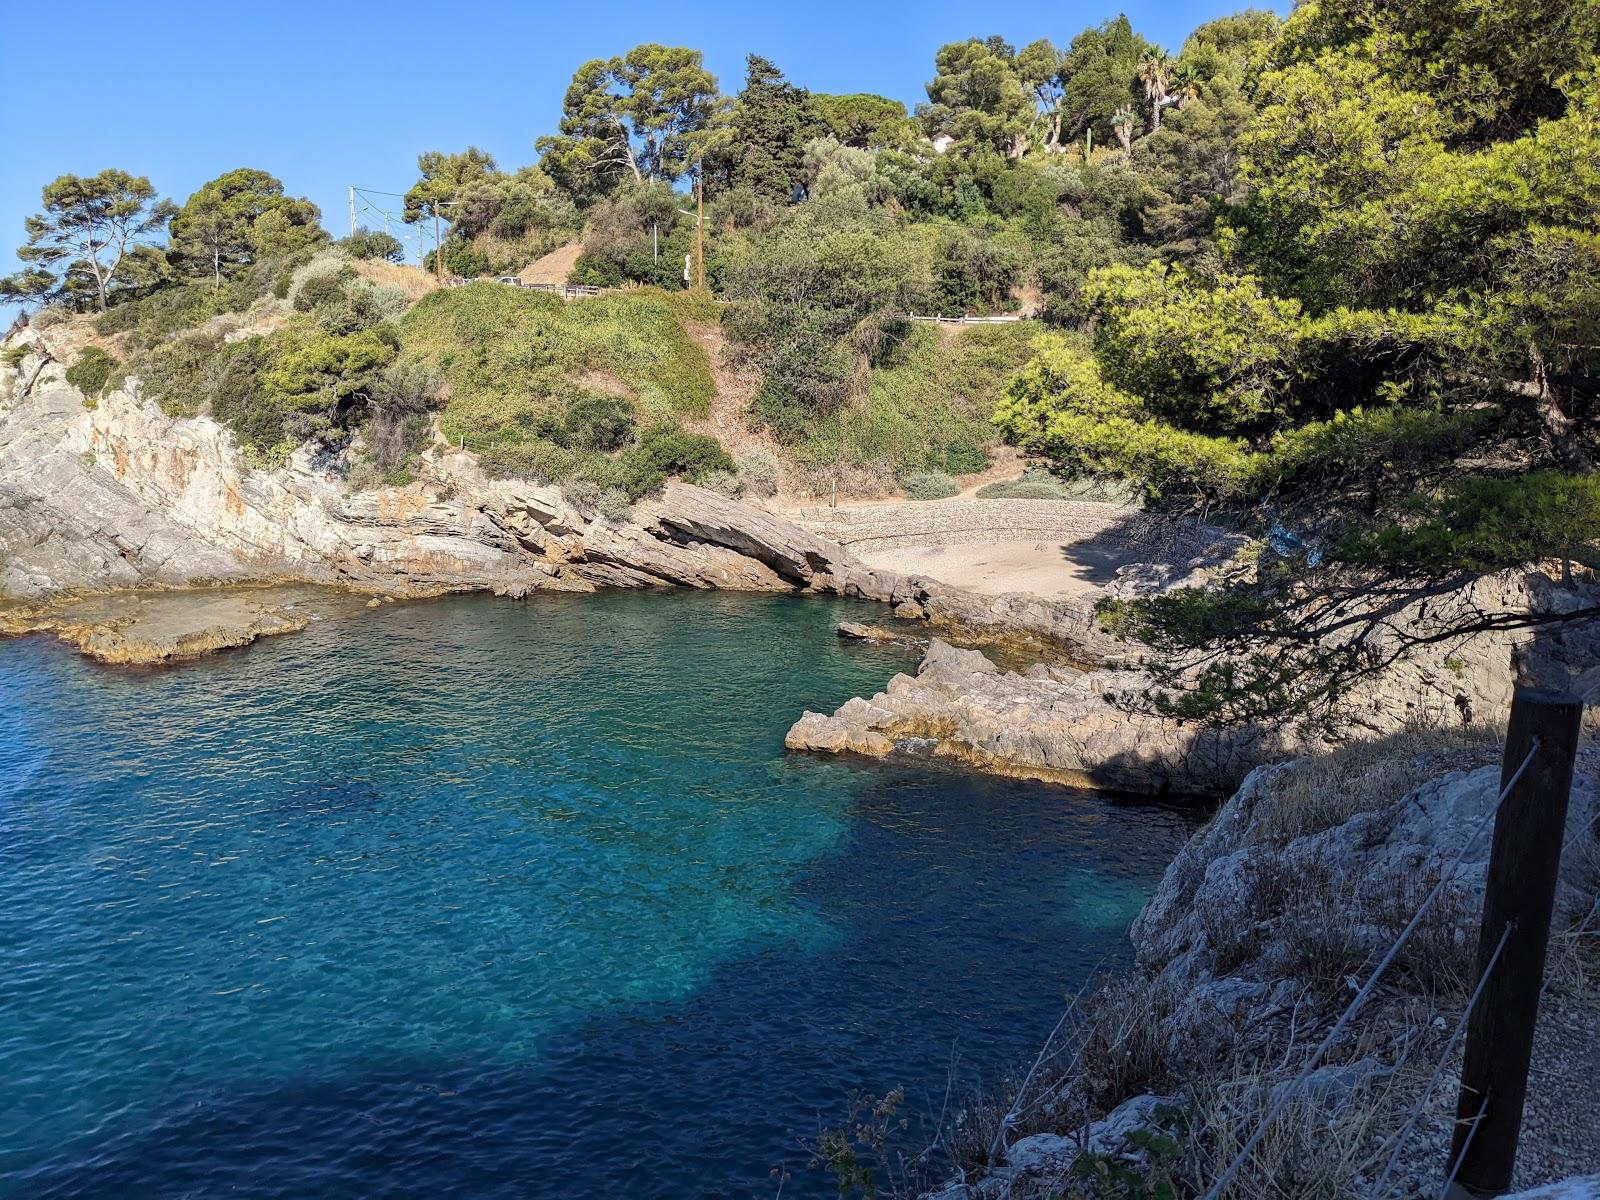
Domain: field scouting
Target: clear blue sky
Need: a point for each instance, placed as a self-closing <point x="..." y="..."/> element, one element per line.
<point x="328" y="94"/>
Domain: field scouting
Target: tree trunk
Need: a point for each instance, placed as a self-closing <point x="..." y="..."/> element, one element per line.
<point x="99" y="278"/>
<point x="1561" y="429"/>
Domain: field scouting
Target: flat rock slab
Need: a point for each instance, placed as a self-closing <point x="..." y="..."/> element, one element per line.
<point x="144" y="628"/>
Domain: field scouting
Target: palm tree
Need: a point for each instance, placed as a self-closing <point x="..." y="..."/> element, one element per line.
<point x="1122" y="126"/>
<point x="1155" y="72"/>
<point x="1186" y="79"/>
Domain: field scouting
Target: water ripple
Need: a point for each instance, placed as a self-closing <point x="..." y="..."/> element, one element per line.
<point x="478" y="898"/>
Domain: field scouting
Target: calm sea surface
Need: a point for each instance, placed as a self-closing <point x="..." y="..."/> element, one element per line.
<point x="477" y="898"/>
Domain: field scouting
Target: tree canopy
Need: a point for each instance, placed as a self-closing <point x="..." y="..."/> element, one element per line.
<point x="763" y="148"/>
<point x="642" y="115"/>
<point x="91" y="237"/>
<point x="240" y="218"/>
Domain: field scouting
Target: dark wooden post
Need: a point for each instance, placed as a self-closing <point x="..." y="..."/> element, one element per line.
<point x="1520" y="891"/>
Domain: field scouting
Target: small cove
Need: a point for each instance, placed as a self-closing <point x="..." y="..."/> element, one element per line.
<point x="482" y="898"/>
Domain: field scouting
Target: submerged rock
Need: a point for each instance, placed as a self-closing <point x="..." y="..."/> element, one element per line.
<point x="145" y="628"/>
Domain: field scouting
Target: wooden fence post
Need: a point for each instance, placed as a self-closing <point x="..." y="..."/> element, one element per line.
<point x="1520" y="891"/>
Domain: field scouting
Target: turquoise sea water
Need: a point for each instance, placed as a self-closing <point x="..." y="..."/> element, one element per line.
<point x="477" y="898"/>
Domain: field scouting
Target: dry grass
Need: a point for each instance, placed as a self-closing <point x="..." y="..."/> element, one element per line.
<point x="1323" y="792"/>
<point x="1573" y="962"/>
<point x="1330" y="932"/>
<point x="71" y="337"/>
<point x="555" y="266"/>
<point x="874" y="481"/>
<point x="413" y="281"/>
<point x="1317" y="1149"/>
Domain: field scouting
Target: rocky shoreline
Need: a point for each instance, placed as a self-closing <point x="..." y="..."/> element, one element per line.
<point x="1054" y="724"/>
<point x="143" y="538"/>
<point x="115" y="495"/>
<point x="1301" y="880"/>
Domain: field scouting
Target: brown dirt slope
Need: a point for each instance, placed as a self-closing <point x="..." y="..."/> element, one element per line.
<point x="554" y="267"/>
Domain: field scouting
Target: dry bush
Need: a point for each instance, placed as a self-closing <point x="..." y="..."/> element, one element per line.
<point x="413" y="281"/>
<point x="1318" y="1147"/>
<point x="1325" y="931"/>
<point x="1109" y="1046"/>
<point x="1573" y="962"/>
<point x="1122" y="1044"/>
<point x="875" y="481"/>
<point x="1323" y="792"/>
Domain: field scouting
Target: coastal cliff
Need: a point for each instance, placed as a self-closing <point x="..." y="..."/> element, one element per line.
<point x="107" y="494"/>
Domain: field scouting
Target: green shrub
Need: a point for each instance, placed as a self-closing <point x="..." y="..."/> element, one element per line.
<point x="961" y="457"/>
<point x="14" y="355"/>
<point x="596" y="272"/>
<point x="93" y="372"/>
<point x="173" y="372"/>
<point x="929" y="485"/>
<point x="465" y="259"/>
<point x="666" y="450"/>
<point x="540" y="461"/>
<point x="598" y="421"/>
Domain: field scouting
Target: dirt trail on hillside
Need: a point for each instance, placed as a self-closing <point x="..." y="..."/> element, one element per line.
<point x="732" y="390"/>
<point x="555" y="267"/>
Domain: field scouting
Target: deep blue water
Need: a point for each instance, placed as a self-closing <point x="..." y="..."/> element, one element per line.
<point x="477" y="898"/>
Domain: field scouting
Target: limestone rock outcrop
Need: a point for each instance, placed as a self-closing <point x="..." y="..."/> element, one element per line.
<point x="118" y="494"/>
<point x="144" y="628"/>
<point x="1050" y="723"/>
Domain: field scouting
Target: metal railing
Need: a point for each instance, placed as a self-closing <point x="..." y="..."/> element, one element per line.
<point x="940" y="318"/>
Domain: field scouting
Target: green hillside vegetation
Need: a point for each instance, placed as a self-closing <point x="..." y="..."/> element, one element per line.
<point x="553" y="390"/>
<point x="1339" y="272"/>
<point x="928" y="405"/>
<point x="513" y="359"/>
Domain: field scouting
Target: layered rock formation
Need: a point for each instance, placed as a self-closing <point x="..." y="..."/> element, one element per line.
<point x="118" y="494"/>
<point x="1051" y="723"/>
<point x="1086" y="727"/>
<point x="1242" y="958"/>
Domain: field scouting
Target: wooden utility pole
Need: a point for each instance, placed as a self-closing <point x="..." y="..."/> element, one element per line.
<point x="438" y="248"/>
<point x="699" y="230"/>
<point x="1520" y="893"/>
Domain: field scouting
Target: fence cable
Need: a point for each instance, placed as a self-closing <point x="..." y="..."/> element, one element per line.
<point x="1472" y="1132"/>
<point x="1289" y="1094"/>
<point x="1444" y="1059"/>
